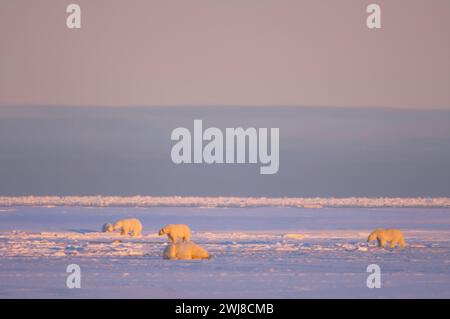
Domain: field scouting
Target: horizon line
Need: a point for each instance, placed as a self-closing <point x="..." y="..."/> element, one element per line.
<point x="222" y="201"/>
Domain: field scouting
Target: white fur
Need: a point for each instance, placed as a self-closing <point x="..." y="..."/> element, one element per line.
<point x="176" y="232"/>
<point x="383" y="236"/>
<point x="130" y="226"/>
<point x="185" y="251"/>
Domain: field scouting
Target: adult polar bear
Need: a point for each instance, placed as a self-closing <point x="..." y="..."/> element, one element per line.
<point x="383" y="236"/>
<point x="185" y="251"/>
<point x="176" y="232"/>
<point x="129" y="226"/>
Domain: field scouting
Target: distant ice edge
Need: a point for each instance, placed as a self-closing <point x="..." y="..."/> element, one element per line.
<point x="192" y="201"/>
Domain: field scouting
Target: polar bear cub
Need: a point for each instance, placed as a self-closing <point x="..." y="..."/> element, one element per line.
<point x="185" y="251"/>
<point x="176" y="232"/>
<point x="383" y="236"/>
<point x="130" y="226"/>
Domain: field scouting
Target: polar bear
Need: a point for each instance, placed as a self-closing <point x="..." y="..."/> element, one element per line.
<point x="176" y="232"/>
<point x="383" y="236"/>
<point x="130" y="226"/>
<point x="107" y="228"/>
<point x="185" y="251"/>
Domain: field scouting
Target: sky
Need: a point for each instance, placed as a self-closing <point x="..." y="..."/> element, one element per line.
<point x="230" y="52"/>
<point x="90" y="111"/>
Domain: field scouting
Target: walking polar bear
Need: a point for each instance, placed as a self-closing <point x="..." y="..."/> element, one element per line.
<point x="130" y="226"/>
<point x="383" y="236"/>
<point x="185" y="251"/>
<point x="176" y="232"/>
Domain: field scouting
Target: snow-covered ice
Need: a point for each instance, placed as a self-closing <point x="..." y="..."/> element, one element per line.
<point x="263" y="252"/>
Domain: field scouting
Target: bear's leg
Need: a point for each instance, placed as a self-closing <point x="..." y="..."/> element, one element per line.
<point x="402" y="243"/>
<point x="171" y="238"/>
<point x="125" y="231"/>
<point x="393" y="244"/>
<point x="136" y="232"/>
<point x="379" y="242"/>
<point x="187" y="237"/>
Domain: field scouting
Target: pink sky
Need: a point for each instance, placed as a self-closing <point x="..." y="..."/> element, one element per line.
<point x="225" y="52"/>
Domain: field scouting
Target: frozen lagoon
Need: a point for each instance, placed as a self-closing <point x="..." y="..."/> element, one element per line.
<point x="257" y="253"/>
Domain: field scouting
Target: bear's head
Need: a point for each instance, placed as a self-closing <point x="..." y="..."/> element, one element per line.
<point x="373" y="235"/>
<point x="107" y="228"/>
